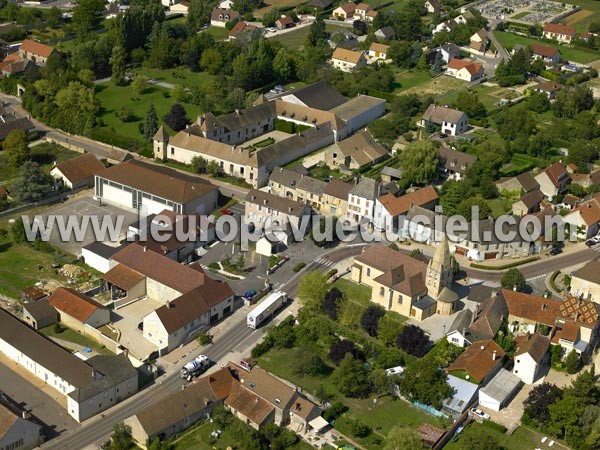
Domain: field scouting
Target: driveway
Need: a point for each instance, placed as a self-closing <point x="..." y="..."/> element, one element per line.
<point x="82" y="206"/>
<point x="34" y="396"/>
<point x="126" y="320"/>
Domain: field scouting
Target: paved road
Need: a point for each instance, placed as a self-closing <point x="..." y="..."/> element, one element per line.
<point x="501" y="50"/>
<point x="236" y="338"/>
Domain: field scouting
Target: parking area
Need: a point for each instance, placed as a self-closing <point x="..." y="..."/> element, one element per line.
<point x="126" y="320"/>
<point x="81" y="210"/>
<point x="33" y="395"/>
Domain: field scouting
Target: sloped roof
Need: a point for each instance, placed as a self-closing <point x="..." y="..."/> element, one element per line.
<point x="439" y="114"/>
<point x="590" y="272"/>
<point x="281" y="204"/>
<point x="266" y="386"/>
<point x="349" y="56"/>
<point x="544" y="50"/>
<point x="338" y="189"/>
<point x="559" y="29"/>
<point x="381" y="48"/>
<point x="348" y="7"/>
<point x="532" y="199"/>
<point x="531" y="307"/>
<point x="123" y="277"/>
<point x="160" y="181"/>
<point x="80" y="168"/>
<point x="556" y="172"/>
<point x="185" y="403"/>
<point x="36" y="48"/>
<point x="40" y="310"/>
<point x="579" y="311"/>
<point x="488" y="317"/>
<point x="589" y="211"/>
<point x="74" y="303"/>
<point x="535" y="345"/>
<point x="192" y="304"/>
<point x="456" y="161"/>
<point x="362" y="148"/>
<point x="549" y="86"/>
<point x="396" y="206"/>
<point x="248" y="404"/>
<point x="224" y="15"/>
<point x="320" y="95"/>
<point x="366" y="188"/>
<point x="478" y="359"/>
<point x="408" y="279"/>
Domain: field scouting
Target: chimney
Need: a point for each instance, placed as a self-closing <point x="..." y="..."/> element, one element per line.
<point x="494" y="356"/>
<point x="169" y="304"/>
<point x="24" y="415"/>
<point x="543" y="306"/>
<point x="289" y="209"/>
<point x="200" y="120"/>
<point x="482" y="347"/>
<point x="237" y="111"/>
<point x="145" y="248"/>
<point x="253" y="198"/>
<point x="265" y="202"/>
<point x="515" y="288"/>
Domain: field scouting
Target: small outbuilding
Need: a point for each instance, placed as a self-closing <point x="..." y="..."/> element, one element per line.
<point x="500" y="390"/>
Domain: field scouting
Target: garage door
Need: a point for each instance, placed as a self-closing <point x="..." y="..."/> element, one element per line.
<point x="227" y="310"/>
<point x="214" y="318"/>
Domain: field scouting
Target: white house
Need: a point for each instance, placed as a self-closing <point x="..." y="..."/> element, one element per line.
<point x="97" y="255"/>
<point x="180" y="8"/>
<point x="464" y="70"/>
<point x="433" y="6"/>
<point x="500" y="390"/>
<point x="77" y="172"/>
<point x="450" y="120"/>
<point x="558" y="32"/>
<point x="221" y="17"/>
<point x="586" y="281"/>
<point x="361" y="200"/>
<point x="89" y="387"/>
<point x="530" y="357"/>
<point x="345" y="11"/>
<point x="585" y="219"/>
<point x="347" y="60"/>
<point x="389" y="208"/>
<point x="135" y="184"/>
<point x="378" y="51"/>
<point x="553" y="180"/>
<point x="458" y="333"/>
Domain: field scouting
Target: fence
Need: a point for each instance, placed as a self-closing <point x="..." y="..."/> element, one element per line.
<point x="430" y="409"/>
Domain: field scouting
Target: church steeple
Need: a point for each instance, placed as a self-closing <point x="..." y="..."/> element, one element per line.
<point x="439" y="271"/>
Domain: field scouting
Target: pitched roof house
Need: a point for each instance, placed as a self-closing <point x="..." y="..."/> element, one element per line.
<point x="522" y="183"/>
<point x="389" y="208"/>
<point x="454" y="164"/>
<point x="77" y="172"/>
<point x="450" y="120"/>
<point x="530" y="357"/>
<point x="17" y="430"/>
<point x="553" y="180"/>
<point x="35" y="52"/>
<point x="479" y="362"/>
<point x="559" y="32"/>
<point x="378" y="51"/>
<point x="220" y="17"/>
<point x="77" y="309"/>
<point x="355" y="152"/>
<point x="345" y="11"/>
<point x="464" y="70"/>
<point x="550" y="55"/>
<point x="239" y="28"/>
<point x="347" y="60"/>
<point x="488" y="318"/>
<point x="586" y="281"/>
<point x="585" y="219"/>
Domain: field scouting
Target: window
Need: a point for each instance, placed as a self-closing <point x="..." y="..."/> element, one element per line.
<point x="399" y="299"/>
<point x="172" y="150"/>
<point x="368" y="271"/>
<point x="381" y="291"/>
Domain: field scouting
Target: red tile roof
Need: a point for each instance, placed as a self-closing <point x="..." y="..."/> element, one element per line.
<point x="556" y="172"/>
<point x="400" y="205"/>
<point x="559" y="29"/>
<point x="73" y="303"/>
<point x="80" y="168"/>
<point x="478" y="359"/>
<point x="36" y="48"/>
<point x="531" y="307"/>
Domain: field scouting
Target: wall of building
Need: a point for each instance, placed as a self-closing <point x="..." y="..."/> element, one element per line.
<point x="160" y="292"/>
<point x="22" y="435"/>
<point x="390" y="299"/>
<point x="97" y="262"/>
<point x="155" y="332"/>
<point x="525" y="368"/>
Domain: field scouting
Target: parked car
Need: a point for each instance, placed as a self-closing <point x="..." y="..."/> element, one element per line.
<point x="590" y="243"/>
<point x="480" y="413"/>
<point x="227" y="212"/>
<point x="249" y="294"/>
<point x="443" y="135"/>
<point x="555" y="251"/>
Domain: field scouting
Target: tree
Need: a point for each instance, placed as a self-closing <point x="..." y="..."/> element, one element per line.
<point x="316" y="32"/>
<point x="388" y="329"/>
<point x="86" y="15"/>
<point x="339" y="349"/>
<point x="466" y="208"/>
<point x="538" y="102"/>
<point x="381" y="383"/>
<point x="198" y="164"/>
<point x="469" y="103"/>
<point x="117" y="63"/>
<point x="413" y="341"/>
<point x="312" y="289"/>
<point x="176" y="118"/>
<point x="572" y="362"/>
<point x="370" y="319"/>
<point x="17" y="231"/>
<point x="403" y="438"/>
<point x="360" y="27"/>
<point x="419" y="163"/>
<point x="53" y="17"/>
<point x="15" y="148"/>
<point x="33" y="183"/>
<point x="150" y="126"/>
<point x="270" y="17"/>
<point x="539" y="399"/>
<point x="139" y="83"/>
<point x="121" y="438"/>
<point x="331" y="302"/>
<point x="350" y="377"/>
<point x="513" y="278"/>
<point x="423" y="381"/>
<point x="198" y="14"/>
<point x="282" y="65"/>
<point x="359" y="429"/>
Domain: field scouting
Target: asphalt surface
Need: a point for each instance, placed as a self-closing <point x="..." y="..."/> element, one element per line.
<point x="97" y="429"/>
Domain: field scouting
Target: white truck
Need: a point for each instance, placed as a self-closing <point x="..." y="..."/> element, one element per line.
<point x="266" y="309"/>
<point x="195" y="367"/>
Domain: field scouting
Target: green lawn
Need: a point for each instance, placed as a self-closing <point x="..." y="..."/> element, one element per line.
<point x="521" y="439"/>
<point x="18" y="267"/>
<point x="113" y="98"/>
<point x="381" y="416"/>
<point x="483" y="92"/>
<point x="178" y="75"/>
<point x="499" y="207"/>
<point x="73" y="336"/>
<point x="219" y="33"/>
<point x="353" y="291"/>
<point x="45" y="154"/>
<point x="406" y="79"/>
<point x="577" y="54"/>
<point x="294" y="40"/>
<point x="198" y="438"/>
<point x="581" y="21"/>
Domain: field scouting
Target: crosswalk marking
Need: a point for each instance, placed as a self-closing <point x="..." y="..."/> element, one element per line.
<point x="544" y="275"/>
<point x="324" y="262"/>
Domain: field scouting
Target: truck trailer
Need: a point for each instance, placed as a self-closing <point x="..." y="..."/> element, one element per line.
<point x="266" y="309"/>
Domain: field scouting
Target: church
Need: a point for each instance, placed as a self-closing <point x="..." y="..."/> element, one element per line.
<point x="407" y="285"/>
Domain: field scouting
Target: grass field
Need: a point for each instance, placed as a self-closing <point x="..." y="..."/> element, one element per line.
<point x="577" y="54"/>
<point x="521" y="439"/>
<point x="45" y="154"/>
<point x="294" y="40"/>
<point x="488" y="95"/>
<point x="73" y="336"/>
<point x="407" y="79"/>
<point x="353" y="291"/>
<point x="590" y="12"/>
<point x="113" y="98"/>
<point x="179" y="75"/>
<point x="381" y="416"/>
<point x="499" y="207"/>
<point x="438" y="86"/>
<point x="199" y="438"/>
<point x="219" y="33"/>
